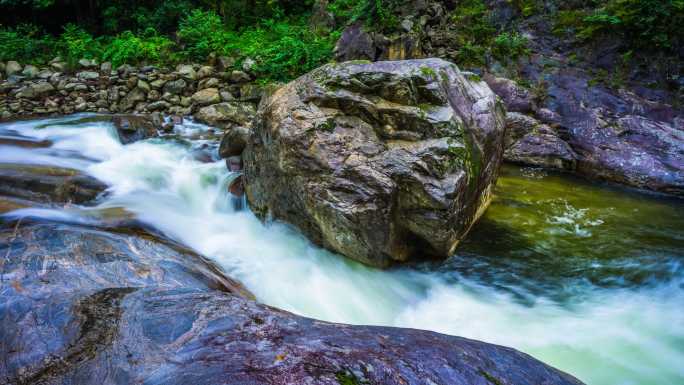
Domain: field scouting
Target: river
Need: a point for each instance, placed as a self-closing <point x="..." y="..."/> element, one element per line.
<point x="584" y="276"/>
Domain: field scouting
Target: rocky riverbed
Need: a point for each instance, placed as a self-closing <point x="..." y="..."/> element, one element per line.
<point x="91" y="290"/>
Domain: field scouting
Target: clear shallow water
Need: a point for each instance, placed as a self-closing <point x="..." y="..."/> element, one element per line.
<point x="585" y="277"/>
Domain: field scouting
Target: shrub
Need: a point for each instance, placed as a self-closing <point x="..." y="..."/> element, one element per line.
<point x="283" y="49"/>
<point x="509" y="46"/>
<point x="201" y="33"/>
<point x="133" y="49"/>
<point x="78" y="44"/>
<point x="645" y="24"/>
<point x="27" y="44"/>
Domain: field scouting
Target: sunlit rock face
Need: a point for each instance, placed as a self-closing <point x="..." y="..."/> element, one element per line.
<point x="381" y="162"/>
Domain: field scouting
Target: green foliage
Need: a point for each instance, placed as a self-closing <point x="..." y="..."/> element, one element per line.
<point x="377" y="14"/>
<point x="203" y="32"/>
<point x="26" y="43"/>
<point x="477" y="37"/>
<point x="509" y="46"/>
<point x="283" y="49"/>
<point x="642" y="24"/>
<point x="474" y="31"/>
<point x="526" y="7"/>
<point x="134" y="49"/>
<point x="78" y="44"/>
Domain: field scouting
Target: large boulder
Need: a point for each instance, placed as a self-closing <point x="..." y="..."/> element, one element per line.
<point x="381" y="162"/>
<point x="84" y="306"/>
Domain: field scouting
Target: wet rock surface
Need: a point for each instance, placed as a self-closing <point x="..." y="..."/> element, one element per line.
<point x="531" y="142"/>
<point x="80" y="304"/>
<point x="379" y="162"/>
<point x="48" y="184"/>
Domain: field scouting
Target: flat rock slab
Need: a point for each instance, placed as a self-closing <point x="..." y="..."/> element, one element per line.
<point x="82" y="306"/>
<point x="48" y="184"/>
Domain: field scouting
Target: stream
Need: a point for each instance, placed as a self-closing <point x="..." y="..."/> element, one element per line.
<point x="585" y="276"/>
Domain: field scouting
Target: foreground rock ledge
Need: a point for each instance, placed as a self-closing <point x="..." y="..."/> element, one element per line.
<point x="381" y="162"/>
<point x="83" y="306"/>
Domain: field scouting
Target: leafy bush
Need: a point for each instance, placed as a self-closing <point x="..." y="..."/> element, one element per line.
<point x="283" y="49"/>
<point x="201" y="33"/>
<point x="476" y="36"/>
<point x="509" y="46"/>
<point x="134" y="49"/>
<point x="26" y="43"/>
<point x="79" y="44"/>
<point x="644" y="23"/>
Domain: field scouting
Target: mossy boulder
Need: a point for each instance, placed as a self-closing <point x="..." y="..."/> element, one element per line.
<point x="382" y="162"/>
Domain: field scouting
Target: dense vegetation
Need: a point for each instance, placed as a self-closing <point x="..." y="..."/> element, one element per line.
<point x="279" y="35"/>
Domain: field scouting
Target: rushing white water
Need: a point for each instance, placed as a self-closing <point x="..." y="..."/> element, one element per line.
<point x="603" y="335"/>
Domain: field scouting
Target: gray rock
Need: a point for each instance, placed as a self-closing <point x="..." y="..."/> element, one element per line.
<point x="88" y="75"/>
<point x="515" y="97"/>
<point x="187" y="72"/>
<point x="381" y="162"/>
<point x="234" y="142"/>
<point x="225" y="63"/>
<point x="206" y="96"/>
<point x="175" y="87"/>
<point x="45" y="74"/>
<point x="106" y="68"/>
<point x="59" y="66"/>
<point x="208" y="83"/>
<point x="30" y="71"/>
<point x="143" y="85"/>
<point x="248" y="64"/>
<point x="12" y="68"/>
<point x="48" y="184"/>
<point x="227" y="114"/>
<point x="132" y="128"/>
<point x="160" y="105"/>
<point x="239" y="77"/>
<point x="86" y="63"/>
<point x="532" y="143"/>
<point x="251" y="92"/>
<point x="158" y="84"/>
<point x="132" y="98"/>
<point x="205" y="72"/>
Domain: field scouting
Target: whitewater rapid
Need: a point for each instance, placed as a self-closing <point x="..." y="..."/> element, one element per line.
<point x="615" y="335"/>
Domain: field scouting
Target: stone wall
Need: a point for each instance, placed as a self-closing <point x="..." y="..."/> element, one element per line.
<point x="213" y="93"/>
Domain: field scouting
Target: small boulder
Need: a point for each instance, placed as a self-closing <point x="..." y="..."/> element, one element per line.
<point x="225" y="62"/>
<point x="106" y="68"/>
<point x="205" y="72"/>
<point x="227" y="114"/>
<point x="88" y="75"/>
<point x="135" y="96"/>
<point x="206" y="96"/>
<point x="12" y="68"/>
<point x="234" y="142"/>
<point x="175" y="87"/>
<point x="132" y="128"/>
<point x="187" y="72"/>
<point x="530" y="142"/>
<point x="30" y="71"/>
